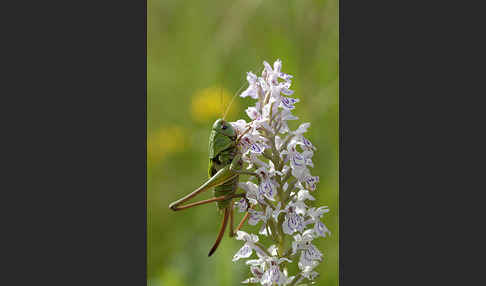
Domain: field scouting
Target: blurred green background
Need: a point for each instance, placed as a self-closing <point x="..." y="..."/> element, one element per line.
<point x="194" y="49"/>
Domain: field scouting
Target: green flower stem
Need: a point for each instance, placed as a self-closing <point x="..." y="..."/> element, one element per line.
<point x="275" y="158"/>
<point x="274" y="230"/>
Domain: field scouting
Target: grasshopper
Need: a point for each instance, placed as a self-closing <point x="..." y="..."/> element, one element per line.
<point x="225" y="167"/>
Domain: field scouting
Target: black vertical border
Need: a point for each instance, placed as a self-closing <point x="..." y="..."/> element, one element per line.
<point x="407" y="113"/>
<point x="76" y="81"/>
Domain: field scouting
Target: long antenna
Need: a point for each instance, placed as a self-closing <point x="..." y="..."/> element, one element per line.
<point x="221" y="90"/>
<point x="221" y="95"/>
<point x="231" y="102"/>
<point x="234" y="96"/>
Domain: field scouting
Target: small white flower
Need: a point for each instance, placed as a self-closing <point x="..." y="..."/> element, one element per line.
<point x="244" y="252"/>
<point x="309" y="252"/>
<point x="239" y="126"/>
<point x="277" y="89"/>
<point x="301" y="241"/>
<point x="303" y="175"/>
<point x="299" y="204"/>
<point x="320" y="228"/>
<point x="315" y="214"/>
<point x="293" y="222"/>
<point x="253" y="113"/>
<point x="253" y="88"/>
<point x="257" y="272"/>
<point x="256" y="216"/>
<point x="248" y="247"/>
<point x="288" y="102"/>
<point x="257" y="262"/>
<point x="252" y="193"/>
<point x="303" y="195"/>
<point x="308" y="145"/>
<point x="268" y="186"/>
<point x="302" y="128"/>
<point x="271" y="76"/>
<point x="250" y="140"/>
<point x="283" y="117"/>
<point x="308" y="270"/>
<point x="272" y="274"/>
<point x="311" y="181"/>
<point x="275" y="73"/>
<point x="296" y="159"/>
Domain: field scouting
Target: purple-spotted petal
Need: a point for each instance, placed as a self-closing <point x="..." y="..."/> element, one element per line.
<point x="256" y="148"/>
<point x="311" y="253"/>
<point x="288" y="102"/>
<point x="267" y="189"/>
<point x="321" y="229"/>
<point x="292" y="223"/>
<point x="244" y="252"/>
<point x="311" y="182"/>
<point x="285" y="76"/>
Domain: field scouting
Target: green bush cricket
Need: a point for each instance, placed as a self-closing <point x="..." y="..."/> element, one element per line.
<point x="225" y="167"/>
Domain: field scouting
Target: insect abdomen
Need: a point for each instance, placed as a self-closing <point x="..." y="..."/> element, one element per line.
<point x="222" y="160"/>
<point x="224" y="190"/>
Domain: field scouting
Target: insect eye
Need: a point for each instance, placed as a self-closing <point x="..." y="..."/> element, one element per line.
<point x="224" y="127"/>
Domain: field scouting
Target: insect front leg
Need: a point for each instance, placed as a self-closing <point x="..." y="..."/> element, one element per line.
<point x="237" y="165"/>
<point x="243" y="220"/>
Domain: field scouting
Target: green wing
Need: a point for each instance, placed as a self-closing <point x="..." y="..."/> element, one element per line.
<point x="217" y="143"/>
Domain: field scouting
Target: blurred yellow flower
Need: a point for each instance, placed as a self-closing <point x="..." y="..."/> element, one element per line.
<point x="206" y="104"/>
<point x="164" y="141"/>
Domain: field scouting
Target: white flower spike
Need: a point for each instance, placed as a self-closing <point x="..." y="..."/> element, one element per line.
<point x="278" y="200"/>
